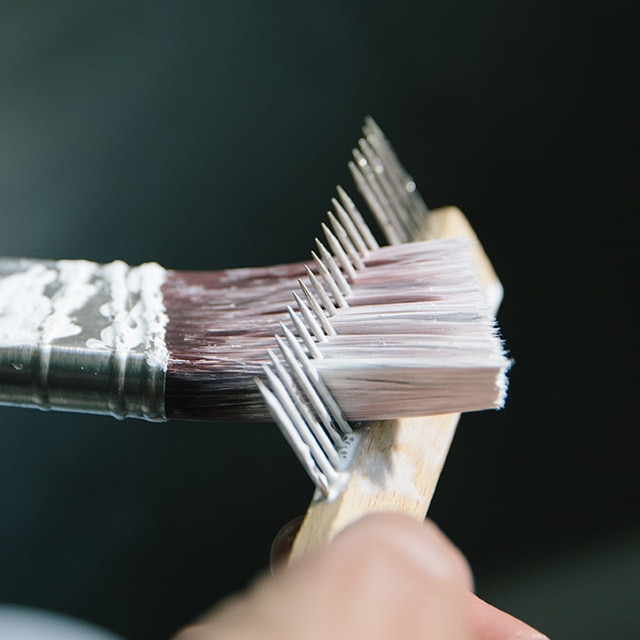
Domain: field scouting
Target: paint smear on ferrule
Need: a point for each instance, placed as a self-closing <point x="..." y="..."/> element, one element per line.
<point x="82" y="336"/>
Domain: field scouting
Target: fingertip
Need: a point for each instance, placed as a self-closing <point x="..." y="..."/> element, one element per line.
<point x="490" y="623"/>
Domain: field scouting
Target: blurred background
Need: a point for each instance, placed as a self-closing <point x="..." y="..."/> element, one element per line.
<point x="205" y="135"/>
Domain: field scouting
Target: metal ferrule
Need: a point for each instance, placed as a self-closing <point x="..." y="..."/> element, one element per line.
<point x="80" y="336"/>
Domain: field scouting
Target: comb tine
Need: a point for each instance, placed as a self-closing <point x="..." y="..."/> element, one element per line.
<point x="328" y="278"/>
<point x="372" y="173"/>
<point x="309" y="318"/>
<point x="398" y="176"/>
<point x="321" y="293"/>
<point x="303" y="333"/>
<point x="344" y="239"/>
<point x="294" y="439"/>
<point x="331" y="264"/>
<point x="319" y="455"/>
<point x="358" y="220"/>
<point x="394" y="202"/>
<point x="321" y="435"/>
<point x="378" y="211"/>
<point x="401" y="185"/>
<point x="404" y="184"/>
<point x="351" y="229"/>
<point x="339" y="252"/>
<point x="383" y="147"/>
<point x="315" y="307"/>
<point x="298" y="372"/>
<point x="317" y="382"/>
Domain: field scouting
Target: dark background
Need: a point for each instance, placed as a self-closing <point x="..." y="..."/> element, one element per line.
<point x="212" y="134"/>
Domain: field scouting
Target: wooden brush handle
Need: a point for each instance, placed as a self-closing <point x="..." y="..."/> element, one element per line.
<point x="398" y="462"/>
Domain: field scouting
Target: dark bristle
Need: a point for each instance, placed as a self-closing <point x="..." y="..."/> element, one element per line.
<point x="221" y="325"/>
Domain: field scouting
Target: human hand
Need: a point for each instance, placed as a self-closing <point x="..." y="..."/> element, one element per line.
<point x="385" y="577"/>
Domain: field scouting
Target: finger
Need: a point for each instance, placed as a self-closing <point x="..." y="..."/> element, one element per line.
<point x="282" y="545"/>
<point x="384" y="577"/>
<point x="489" y="623"/>
<point x="421" y="543"/>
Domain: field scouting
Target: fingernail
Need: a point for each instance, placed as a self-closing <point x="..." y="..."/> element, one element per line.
<point x="282" y="544"/>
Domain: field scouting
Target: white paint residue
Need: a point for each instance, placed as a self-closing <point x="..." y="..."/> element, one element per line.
<point x="76" y="289"/>
<point x="394" y="469"/>
<point x="24" y="305"/>
<point x="43" y="303"/>
<point x="152" y="277"/>
<point x="121" y="330"/>
<point x="141" y="325"/>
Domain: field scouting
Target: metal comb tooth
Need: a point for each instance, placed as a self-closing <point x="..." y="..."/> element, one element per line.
<point x="306" y="412"/>
<point x="339" y="253"/>
<point x="310" y="439"/>
<point x="328" y="476"/>
<point x="328" y="278"/>
<point x="367" y="188"/>
<point x="297" y="372"/>
<point x="391" y="199"/>
<point x="350" y="227"/>
<point x="377" y="192"/>
<point x="312" y="323"/>
<point x="304" y="409"/>
<point x="321" y="293"/>
<point x="346" y="258"/>
<point x="344" y="239"/>
<point x="386" y="177"/>
<point x="351" y="209"/>
<point x="329" y="439"/>
<point x="297" y="397"/>
<point x="317" y="382"/>
<point x="325" y="482"/>
<point x="403" y="183"/>
<point x="391" y="162"/>
<point x="304" y="334"/>
<point x="299" y="400"/>
<point x="320" y="440"/>
<point x="315" y="307"/>
<point x="334" y="269"/>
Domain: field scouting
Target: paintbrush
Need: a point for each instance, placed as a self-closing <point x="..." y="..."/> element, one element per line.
<point x="157" y="344"/>
<point x="384" y="465"/>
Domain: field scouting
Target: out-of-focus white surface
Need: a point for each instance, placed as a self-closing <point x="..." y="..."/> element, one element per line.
<point x="23" y="623"/>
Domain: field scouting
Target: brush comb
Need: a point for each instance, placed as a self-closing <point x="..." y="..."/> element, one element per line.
<point x="391" y="464"/>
